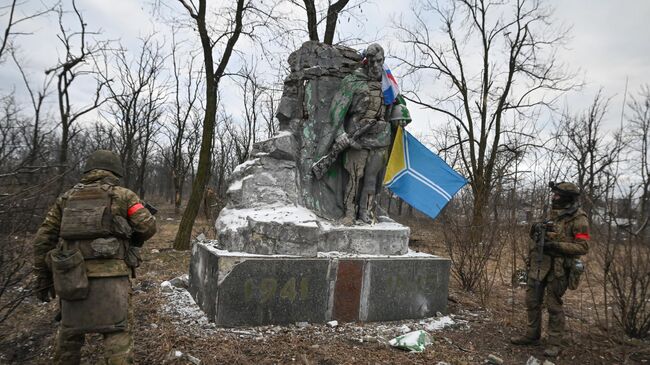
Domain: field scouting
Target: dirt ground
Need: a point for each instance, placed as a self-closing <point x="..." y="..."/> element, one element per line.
<point x="28" y="337"/>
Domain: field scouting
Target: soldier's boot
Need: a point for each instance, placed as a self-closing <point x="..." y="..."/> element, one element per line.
<point x="533" y="331"/>
<point x="525" y="340"/>
<point x="68" y="348"/>
<point x="118" y="348"/>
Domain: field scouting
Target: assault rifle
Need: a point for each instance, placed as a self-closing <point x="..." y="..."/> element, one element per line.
<point x="320" y="167"/>
<point x="538" y="234"/>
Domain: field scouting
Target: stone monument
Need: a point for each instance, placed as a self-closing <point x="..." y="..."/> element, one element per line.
<point x="297" y="243"/>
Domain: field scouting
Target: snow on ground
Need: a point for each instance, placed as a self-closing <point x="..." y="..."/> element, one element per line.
<point x="188" y="318"/>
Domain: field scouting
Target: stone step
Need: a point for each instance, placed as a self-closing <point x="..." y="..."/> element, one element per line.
<point x="239" y="289"/>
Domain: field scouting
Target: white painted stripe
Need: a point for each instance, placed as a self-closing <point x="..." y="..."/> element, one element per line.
<point x="430" y="184"/>
<point x="396" y="177"/>
<point x="426" y="182"/>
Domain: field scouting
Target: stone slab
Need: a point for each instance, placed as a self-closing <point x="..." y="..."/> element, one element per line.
<point x="295" y="230"/>
<point x="239" y="289"/>
<point x="405" y="288"/>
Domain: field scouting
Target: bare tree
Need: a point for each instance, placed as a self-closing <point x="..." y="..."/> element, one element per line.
<point x="639" y="136"/>
<point x="67" y="71"/>
<point x="136" y="94"/>
<point x="583" y="142"/>
<point x="329" y="14"/>
<point x="212" y="79"/>
<point x="13" y="20"/>
<point x="36" y="97"/>
<point x="180" y="130"/>
<point x="509" y="75"/>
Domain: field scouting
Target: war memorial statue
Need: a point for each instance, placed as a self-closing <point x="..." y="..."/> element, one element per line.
<point x="301" y="238"/>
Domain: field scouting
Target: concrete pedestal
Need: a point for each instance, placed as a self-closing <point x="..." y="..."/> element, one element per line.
<point x="238" y="289"/>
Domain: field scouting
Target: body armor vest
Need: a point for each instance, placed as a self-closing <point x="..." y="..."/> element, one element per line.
<point x="88" y="224"/>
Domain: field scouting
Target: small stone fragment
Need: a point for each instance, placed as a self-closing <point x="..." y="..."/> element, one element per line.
<point x="493" y="359"/>
<point x="333" y="323"/>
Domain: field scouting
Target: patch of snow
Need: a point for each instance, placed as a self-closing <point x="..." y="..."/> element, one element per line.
<point x="236" y="185"/>
<point x="244" y="165"/>
<point x="185" y="313"/>
<point x="437" y="324"/>
<point x="166" y="287"/>
<point x="282" y="134"/>
<point x="333" y="323"/>
<point x="210" y="245"/>
<point x="337" y="254"/>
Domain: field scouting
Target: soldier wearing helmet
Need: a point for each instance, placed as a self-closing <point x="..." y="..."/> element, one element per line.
<point x="565" y="239"/>
<point x="83" y="252"/>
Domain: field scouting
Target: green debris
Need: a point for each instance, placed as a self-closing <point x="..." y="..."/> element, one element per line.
<point x="414" y="341"/>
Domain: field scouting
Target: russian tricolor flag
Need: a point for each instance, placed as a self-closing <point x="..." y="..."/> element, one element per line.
<point x="389" y="86"/>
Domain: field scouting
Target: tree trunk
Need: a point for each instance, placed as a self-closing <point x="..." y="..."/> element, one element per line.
<point x="182" y="241"/>
<point x="332" y="17"/>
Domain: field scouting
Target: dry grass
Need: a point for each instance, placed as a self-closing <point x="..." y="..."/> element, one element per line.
<point x="29" y="336"/>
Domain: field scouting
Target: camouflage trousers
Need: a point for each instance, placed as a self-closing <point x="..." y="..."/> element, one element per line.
<point x="365" y="168"/>
<point x="552" y="288"/>
<point x="118" y="346"/>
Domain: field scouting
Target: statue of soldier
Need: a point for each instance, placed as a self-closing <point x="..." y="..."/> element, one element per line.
<point x="84" y="253"/>
<point x="358" y="103"/>
<point x="561" y="240"/>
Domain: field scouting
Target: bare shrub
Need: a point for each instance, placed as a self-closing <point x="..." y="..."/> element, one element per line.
<point x="629" y="279"/>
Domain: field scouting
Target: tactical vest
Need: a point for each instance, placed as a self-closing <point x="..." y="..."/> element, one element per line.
<point x="88" y="224"/>
<point x="89" y="227"/>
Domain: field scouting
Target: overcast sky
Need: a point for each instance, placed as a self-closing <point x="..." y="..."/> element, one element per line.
<point x="610" y="43"/>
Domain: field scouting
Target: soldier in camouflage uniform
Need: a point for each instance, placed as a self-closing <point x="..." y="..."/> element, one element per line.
<point x="360" y="101"/>
<point x="566" y="239"/>
<point x="85" y="250"/>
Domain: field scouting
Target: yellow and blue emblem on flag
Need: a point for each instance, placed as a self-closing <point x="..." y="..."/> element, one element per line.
<point x="419" y="176"/>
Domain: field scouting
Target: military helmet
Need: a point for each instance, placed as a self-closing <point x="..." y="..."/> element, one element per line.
<point x="104" y="160"/>
<point x="565" y="188"/>
<point x="400" y="112"/>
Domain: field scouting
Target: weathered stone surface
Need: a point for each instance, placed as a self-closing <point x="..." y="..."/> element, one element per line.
<point x="293" y="230"/>
<point x="282" y="146"/>
<point x="237" y="289"/>
<point x="400" y="288"/>
<point x="263" y="181"/>
<point x="274" y="203"/>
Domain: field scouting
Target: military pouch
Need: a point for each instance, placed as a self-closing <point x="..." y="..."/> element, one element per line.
<point x="121" y="227"/>
<point x="575" y="272"/>
<point x="105" y="247"/>
<point x="133" y="258"/>
<point x="85" y="223"/>
<point x="69" y="274"/>
<point x="104" y="310"/>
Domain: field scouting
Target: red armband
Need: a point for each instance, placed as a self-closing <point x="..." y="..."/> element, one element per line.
<point x="134" y="208"/>
<point x="583" y="236"/>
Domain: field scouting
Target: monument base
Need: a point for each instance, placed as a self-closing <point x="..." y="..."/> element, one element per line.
<point x="240" y="289"/>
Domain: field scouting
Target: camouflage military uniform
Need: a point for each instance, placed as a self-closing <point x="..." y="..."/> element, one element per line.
<point x="108" y="276"/>
<point x="567" y="240"/>
<point x="360" y="101"/>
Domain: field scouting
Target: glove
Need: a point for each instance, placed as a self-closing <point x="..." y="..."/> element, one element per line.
<point x="44" y="287"/>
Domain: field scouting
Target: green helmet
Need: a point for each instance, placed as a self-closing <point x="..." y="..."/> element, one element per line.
<point x="400" y="113"/>
<point x="565" y="188"/>
<point x="104" y="160"/>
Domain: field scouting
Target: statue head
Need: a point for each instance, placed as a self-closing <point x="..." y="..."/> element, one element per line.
<point x="375" y="61"/>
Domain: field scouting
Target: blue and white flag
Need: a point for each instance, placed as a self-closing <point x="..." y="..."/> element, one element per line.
<point x="419" y="176"/>
<point x="389" y="86"/>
